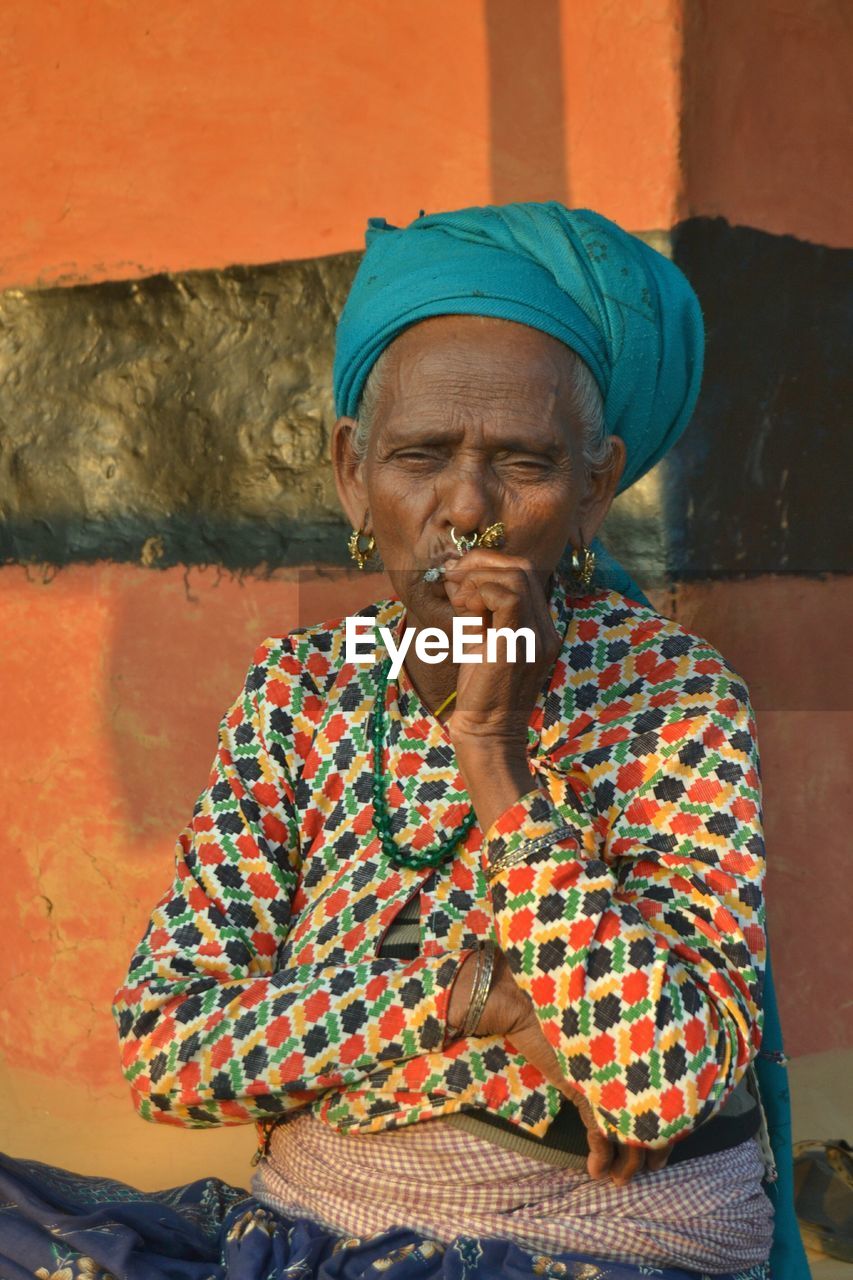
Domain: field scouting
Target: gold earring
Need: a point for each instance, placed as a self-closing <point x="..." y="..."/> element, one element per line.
<point x="583" y="563"/>
<point x="361" y="554"/>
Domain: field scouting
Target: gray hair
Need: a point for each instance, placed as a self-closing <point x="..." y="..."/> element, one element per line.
<point x="588" y="403"/>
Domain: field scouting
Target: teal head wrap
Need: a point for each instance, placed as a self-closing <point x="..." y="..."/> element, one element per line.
<point x="626" y="310"/>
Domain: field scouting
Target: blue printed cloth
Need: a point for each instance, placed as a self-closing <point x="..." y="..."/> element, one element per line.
<point x="56" y="1225"/>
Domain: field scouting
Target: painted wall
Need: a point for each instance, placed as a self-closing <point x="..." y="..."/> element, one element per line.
<point x="142" y="138"/>
<point x="167" y="137"/>
<point x="114" y="681"/>
<point x="188" y="136"/>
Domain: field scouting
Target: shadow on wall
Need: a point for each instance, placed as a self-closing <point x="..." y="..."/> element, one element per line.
<point x="527" y="107"/>
<point x="765" y="120"/>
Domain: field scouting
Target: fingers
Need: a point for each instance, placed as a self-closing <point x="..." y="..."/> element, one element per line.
<point x="657" y="1159"/>
<point x="600" y="1149"/>
<point x="599" y="1161"/>
<point x="516" y="576"/>
<point x="480" y="558"/>
<point x="504" y="590"/>
<point x="630" y="1161"/>
<point x="627" y="1162"/>
<point x="482" y="596"/>
<point x="508" y="588"/>
<point x="605" y="1157"/>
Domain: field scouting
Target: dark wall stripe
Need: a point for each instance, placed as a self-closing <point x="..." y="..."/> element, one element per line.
<point x="186" y="419"/>
<point x="162" y="541"/>
<point x="760" y="482"/>
<point x="175" y="419"/>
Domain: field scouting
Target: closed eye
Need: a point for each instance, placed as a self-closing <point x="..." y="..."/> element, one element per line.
<point x="524" y="461"/>
<point x="419" y="455"/>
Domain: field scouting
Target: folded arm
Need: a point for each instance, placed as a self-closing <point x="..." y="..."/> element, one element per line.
<point x="212" y="1030"/>
<point x="638" y="933"/>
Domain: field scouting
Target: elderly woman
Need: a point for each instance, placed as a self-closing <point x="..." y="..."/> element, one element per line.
<point x="479" y="945"/>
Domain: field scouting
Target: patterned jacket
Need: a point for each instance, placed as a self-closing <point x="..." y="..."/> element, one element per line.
<point x="626" y="890"/>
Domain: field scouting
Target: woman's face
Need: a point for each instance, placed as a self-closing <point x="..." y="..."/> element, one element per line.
<point x="477" y="423"/>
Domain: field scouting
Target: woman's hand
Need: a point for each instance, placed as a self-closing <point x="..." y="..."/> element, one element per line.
<point x="509" y="1012"/>
<point x="494" y="700"/>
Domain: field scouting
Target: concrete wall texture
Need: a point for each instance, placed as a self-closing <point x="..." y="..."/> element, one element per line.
<point x="184" y="198"/>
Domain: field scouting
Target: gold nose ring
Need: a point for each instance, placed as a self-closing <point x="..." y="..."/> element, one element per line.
<point x="493" y="536"/>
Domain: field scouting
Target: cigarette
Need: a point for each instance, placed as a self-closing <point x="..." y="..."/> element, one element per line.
<point x="433" y="574"/>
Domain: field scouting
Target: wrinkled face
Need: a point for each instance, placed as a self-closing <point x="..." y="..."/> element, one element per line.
<point x="477" y="423"/>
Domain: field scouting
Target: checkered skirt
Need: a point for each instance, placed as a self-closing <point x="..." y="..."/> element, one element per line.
<point x="705" y="1214"/>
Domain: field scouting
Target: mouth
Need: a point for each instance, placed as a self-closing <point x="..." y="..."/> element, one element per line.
<point x="435" y="565"/>
<point x="492" y="537"/>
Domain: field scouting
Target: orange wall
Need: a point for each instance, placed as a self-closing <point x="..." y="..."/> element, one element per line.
<point x="114" y="681"/>
<point x="178" y="135"/>
<point x="183" y="134"/>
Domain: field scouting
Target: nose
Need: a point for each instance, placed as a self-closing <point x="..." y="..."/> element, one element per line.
<point x="467" y="503"/>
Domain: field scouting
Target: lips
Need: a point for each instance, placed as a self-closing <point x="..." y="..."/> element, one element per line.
<point x="435" y="565"/>
<point x="435" y="572"/>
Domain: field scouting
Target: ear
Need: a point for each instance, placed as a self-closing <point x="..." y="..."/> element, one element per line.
<point x="348" y="469"/>
<point x="601" y="489"/>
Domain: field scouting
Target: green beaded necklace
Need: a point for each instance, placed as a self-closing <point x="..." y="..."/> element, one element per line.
<point x="416" y="859"/>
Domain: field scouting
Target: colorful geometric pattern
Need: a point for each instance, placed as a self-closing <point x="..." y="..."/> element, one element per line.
<point x="257" y="988"/>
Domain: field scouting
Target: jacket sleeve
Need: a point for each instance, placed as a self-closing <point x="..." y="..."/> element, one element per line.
<point x="212" y="1030"/>
<point x="627" y="892"/>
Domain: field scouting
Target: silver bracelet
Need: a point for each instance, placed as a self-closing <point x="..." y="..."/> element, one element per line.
<point x="456" y="1033"/>
<point x="482" y="986"/>
<point x="526" y="850"/>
